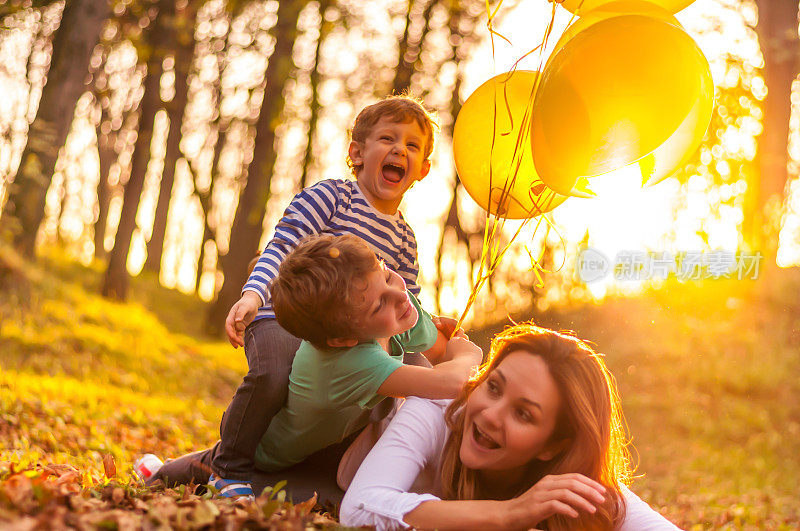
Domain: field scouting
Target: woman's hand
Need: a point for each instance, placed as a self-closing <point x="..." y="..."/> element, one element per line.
<point x="567" y="494"/>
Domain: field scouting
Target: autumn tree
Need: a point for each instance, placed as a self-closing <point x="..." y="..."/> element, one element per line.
<point x="206" y="181"/>
<point x="182" y="45"/>
<point x="78" y="34"/>
<point x="314" y="82"/>
<point x="416" y="29"/>
<point x="249" y="219"/>
<point x="115" y="85"/>
<point x="780" y="47"/>
<point x="159" y="37"/>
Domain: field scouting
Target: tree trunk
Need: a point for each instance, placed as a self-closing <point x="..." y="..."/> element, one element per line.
<point x="402" y="65"/>
<point x="205" y="198"/>
<point x="208" y="236"/>
<point x="106" y="156"/>
<point x="453" y="220"/>
<point x="778" y="38"/>
<point x="115" y="283"/>
<point x="249" y="219"/>
<point x="410" y="47"/>
<point x="184" y="54"/>
<point x="75" y="39"/>
<point x="324" y="28"/>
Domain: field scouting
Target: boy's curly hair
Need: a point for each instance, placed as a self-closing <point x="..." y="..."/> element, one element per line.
<point x="312" y="296"/>
<point x="402" y="108"/>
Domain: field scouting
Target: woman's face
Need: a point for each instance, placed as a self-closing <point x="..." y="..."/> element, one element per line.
<point x="510" y="417"/>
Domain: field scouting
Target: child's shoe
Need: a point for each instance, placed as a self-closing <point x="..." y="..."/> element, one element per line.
<point x="229" y="488"/>
<point x="146" y="466"/>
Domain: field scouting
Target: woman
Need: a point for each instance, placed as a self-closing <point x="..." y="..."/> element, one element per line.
<point x="536" y="439"/>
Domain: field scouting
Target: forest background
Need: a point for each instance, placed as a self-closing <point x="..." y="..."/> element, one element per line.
<point x="147" y="148"/>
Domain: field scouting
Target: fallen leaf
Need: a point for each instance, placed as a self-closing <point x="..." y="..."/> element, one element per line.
<point x="303" y="508"/>
<point x="109" y="467"/>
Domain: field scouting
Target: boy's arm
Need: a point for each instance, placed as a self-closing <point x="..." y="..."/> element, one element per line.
<point x="308" y="214"/>
<point x="447" y="328"/>
<point x="442" y="381"/>
<point x="435" y="354"/>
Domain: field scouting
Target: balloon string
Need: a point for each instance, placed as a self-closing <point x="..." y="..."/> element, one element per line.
<point x="490" y="17"/>
<point x="493" y="251"/>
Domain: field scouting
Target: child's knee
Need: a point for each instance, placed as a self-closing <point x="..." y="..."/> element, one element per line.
<point x="267" y="378"/>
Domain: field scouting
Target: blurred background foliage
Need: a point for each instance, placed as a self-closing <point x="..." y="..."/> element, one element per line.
<point x="148" y="147"/>
<point x="168" y="136"/>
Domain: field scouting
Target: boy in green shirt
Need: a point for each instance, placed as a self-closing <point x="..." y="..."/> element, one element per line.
<point x="357" y="320"/>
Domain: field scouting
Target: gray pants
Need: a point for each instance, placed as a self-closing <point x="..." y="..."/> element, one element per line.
<point x="316" y="474"/>
<point x="270" y="351"/>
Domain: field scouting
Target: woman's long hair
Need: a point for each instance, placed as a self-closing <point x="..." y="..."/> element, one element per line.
<point x="590" y="419"/>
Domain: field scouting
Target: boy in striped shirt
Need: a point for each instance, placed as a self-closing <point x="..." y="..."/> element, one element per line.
<point x="392" y="141"/>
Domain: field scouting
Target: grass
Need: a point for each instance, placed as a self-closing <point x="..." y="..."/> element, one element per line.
<point x="83" y="376"/>
<point x="709" y="377"/>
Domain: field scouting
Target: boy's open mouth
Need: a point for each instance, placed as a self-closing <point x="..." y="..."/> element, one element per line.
<point x="393" y="172"/>
<point x="482" y="439"/>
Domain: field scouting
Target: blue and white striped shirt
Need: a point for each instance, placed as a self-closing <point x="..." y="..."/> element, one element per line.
<point x="336" y="206"/>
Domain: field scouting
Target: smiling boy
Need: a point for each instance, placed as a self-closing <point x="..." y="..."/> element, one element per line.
<point x="391" y="144"/>
<point x="385" y="169"/>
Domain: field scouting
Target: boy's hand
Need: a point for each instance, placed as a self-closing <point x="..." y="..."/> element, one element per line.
<point x="462" y="349"/>
<point x="446" y="325"/>
<point x="241" y="315"/>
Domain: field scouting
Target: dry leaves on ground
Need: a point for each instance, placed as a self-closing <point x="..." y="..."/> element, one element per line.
<point x="59" y="497"/>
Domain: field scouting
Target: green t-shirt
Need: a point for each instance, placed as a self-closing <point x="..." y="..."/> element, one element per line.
<point x="331" y="392"/>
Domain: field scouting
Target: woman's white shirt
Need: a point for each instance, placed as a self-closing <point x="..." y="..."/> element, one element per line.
<point x="402" y="471"/>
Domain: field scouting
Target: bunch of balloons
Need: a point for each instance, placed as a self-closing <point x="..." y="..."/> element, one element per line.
<point x="625" y="84"/>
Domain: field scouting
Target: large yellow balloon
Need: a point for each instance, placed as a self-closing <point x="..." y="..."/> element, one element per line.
<point x="492" y="150"/>
<point x="581" y="7"/>
<point x="614" y="8"/>
<point x="625" y="89"/>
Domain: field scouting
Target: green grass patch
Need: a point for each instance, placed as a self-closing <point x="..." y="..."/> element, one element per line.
<point x="83" y="376"/>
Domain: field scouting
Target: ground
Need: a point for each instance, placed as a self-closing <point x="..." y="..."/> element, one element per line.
<point x="708" y="375"/>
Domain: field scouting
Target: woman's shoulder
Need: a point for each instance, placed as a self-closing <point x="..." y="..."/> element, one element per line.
<point x="423" y="418"/>
<point x="639" y="516"/>
<point x="434" y="408"/>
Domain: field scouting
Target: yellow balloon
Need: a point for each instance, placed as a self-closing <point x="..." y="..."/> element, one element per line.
<point x="614" y="8"/>
<point x="581" y="7"/>
<point x="492" y="150"/>
<point x="625" y="89"/>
